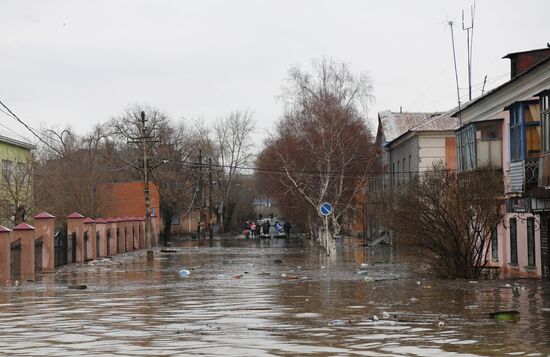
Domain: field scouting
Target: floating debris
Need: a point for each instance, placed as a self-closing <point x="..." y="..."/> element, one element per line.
<point x="339" y="322"/>
<point x="184" y="273"/>
<point x="511" y="315"/>
<point x="78" y="287"/>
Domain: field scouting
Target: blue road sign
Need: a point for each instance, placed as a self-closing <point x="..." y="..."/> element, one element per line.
<point x="325" y="209"/>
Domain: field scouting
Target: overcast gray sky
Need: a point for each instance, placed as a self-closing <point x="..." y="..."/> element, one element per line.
<point x="78" y="63"/>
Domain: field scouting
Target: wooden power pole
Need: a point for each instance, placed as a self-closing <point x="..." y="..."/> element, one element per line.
<point x="210" y="187"/>
<point x="145" y="139"/>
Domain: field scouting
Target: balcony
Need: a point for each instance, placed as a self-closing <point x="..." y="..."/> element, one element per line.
<point x="524" y="175"/>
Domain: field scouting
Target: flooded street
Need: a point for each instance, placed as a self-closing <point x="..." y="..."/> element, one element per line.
<point x="236" y="303"/>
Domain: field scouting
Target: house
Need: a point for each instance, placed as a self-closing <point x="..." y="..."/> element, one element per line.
<point x="16" y="190"/>
<point x="408" y="144"/>
<point x="509" y="128"/>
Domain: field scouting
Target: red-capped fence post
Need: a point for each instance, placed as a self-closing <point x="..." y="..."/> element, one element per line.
<point x="23" y="234"/>
<point x="5" y="254"/>
<point x="44" y="225"/>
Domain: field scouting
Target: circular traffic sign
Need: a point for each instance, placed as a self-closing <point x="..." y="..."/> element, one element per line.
<point x="325" y="209"/>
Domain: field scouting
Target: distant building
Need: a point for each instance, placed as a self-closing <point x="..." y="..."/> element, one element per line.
<point x="125" y="199"/>
<point x="407" y="144"/>
<point x="16" y="188"/>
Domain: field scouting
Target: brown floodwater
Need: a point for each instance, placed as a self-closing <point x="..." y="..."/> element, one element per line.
<point x="235" y="303"/>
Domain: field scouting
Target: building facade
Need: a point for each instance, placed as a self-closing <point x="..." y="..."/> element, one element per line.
<point x="509" y="128"/>
<point x="16" y="189"/>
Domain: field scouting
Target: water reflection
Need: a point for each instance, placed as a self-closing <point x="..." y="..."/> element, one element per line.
<point x="236" y="303"/>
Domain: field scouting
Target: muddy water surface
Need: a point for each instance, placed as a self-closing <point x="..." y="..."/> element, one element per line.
<point x="235" y="303"/>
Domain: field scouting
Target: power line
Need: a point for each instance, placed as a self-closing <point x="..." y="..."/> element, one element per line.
<point x="33" y="131"/>
<point x="308" y="172"/>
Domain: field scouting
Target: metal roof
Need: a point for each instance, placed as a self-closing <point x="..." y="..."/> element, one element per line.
<point x="502" y="86"/>
<point x="16" y="141"/>
<point x="396" y="124"/>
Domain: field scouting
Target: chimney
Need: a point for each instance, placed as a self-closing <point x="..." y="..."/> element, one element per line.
<point x="522" y="61"/>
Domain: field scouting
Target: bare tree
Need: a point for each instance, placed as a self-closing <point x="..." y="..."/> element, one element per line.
<point x="322" y="146"/>
<point x="233" y="139"/>
<point x="16" y="193"/>
<point x="448" y="218"/>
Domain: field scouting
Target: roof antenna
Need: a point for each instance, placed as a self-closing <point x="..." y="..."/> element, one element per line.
<point x="470" y="41"/>
<point x="456" y="70"/>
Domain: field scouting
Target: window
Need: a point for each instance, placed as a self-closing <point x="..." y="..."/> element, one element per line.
<point x="531" y="241"/>
<point x="404" y="169"/>
<point x="398" y="173"/>
<point x="410" y="172"/>
<point x="466" y="146"/>
<point x="545" y="120"/>
<point x="7" y="170"/>
<point x="513" y="241"/>
<point x="176" y="219"/>
<point x="525" y="137"/>
<point x="494" y="245"/>
<point x="22" y="175"/>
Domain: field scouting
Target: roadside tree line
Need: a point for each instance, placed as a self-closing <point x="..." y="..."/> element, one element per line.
<point x="68" y="167"/>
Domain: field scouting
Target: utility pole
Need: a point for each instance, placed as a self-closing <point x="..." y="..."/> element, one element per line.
<point x="200" y="199"/>
<point x="145" y="140"/>
<point x="210" y="187"/>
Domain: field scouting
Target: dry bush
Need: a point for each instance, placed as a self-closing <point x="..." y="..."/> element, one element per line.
<point x="447" y="218"/>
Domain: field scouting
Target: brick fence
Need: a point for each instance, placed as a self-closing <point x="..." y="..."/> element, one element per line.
<point x="28" y="250"/>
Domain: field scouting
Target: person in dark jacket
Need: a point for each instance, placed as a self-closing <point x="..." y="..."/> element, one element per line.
<point x="287" y="227"/>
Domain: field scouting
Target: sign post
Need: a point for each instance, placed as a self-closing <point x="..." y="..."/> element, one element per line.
<point x="326" y="209"/>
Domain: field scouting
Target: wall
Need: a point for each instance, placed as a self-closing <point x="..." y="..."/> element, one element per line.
<point x="16" y="154"/>
<point x="450" y="153"/>
<point x="504" y="246"/>
<point x="408" y="151"/>
<point x="125" y="199"/>
<point x="431" y="150"/>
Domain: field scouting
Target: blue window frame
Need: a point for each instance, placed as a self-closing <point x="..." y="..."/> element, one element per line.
<point x="525" y="136"/>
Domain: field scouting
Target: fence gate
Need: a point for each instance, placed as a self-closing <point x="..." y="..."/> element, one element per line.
<point x="109" y="242"/>
<point x="118" y="241"/>
<point x="15" y="259"/>
<point x="97" y="252"/>
<point x="85" y="257"/>
<point x="73" y="247"/>
<point x="38" y="255"/>
<point x="60" y="248"/>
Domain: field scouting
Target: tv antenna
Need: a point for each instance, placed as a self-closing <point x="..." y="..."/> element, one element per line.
<point x="470" y="40"/>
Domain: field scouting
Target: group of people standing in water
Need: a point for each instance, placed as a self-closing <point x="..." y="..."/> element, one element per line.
<point x="257" y="229"/>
